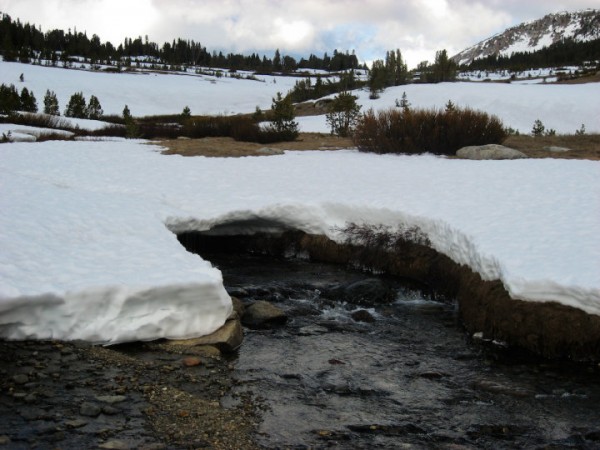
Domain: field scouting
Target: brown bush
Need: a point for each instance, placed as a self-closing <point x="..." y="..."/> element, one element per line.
<point x="426" y="130"/>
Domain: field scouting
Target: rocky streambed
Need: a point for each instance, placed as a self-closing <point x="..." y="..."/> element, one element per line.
<point x="349" y="360"/>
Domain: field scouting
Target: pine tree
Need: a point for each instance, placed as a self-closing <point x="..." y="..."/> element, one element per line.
<point x="132" y="130"/>
<point x="283" y="116"/>
<point x="404" y="103"/>
<point x="538" y="128"/>
<point x="28" y="101"/>
<point x="126" y="113"/>
<point x="76" y="106"/>
<point x="186" y="113"/>
<point x="94" y="109"/>
<point x="9" y="99"/>
<point x="343" y="114"/>
<point x="51" y="103"/>
<point x="377" y="78"/>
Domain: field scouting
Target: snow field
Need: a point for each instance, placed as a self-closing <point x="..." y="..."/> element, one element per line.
<point x="87" y="252"/>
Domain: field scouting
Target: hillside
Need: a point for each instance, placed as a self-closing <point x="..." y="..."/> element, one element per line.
<point x="581" y="26"/>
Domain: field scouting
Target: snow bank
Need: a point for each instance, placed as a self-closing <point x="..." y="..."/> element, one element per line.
<point x="87" y="252"/>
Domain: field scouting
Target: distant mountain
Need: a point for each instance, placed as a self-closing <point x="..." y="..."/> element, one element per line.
<point x="580" y="26"/>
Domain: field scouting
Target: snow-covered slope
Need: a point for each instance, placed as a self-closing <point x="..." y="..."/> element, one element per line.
<point x="531" y="36"/>
<point x="88" y="250"/>
<point x="560" y="107"/>
<point x="148" y="93"/>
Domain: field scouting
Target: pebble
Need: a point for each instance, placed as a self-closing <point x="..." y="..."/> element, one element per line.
<point x="115" y="444"/>
<point x="76" y="423"/>
<point x="191" y="361"/>
<point x="111" y="399"/>
<point x="89" y="409"/>
<point x="21" y="378"/>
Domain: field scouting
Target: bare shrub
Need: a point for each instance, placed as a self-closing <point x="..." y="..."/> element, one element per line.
<point x="412" y="131"/>
<point x="373" y="244"/>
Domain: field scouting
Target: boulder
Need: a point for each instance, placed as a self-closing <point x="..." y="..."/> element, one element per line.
<point x="490" y="151"/>
<point x="262" y="314"/>
<point x="555" y="149"/>
<point x="238" y="306"/>
<point x="228" y="338"/>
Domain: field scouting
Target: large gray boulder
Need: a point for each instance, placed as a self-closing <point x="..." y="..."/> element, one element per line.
<point x="489" y="151"/>
<point x="262" y="314"/>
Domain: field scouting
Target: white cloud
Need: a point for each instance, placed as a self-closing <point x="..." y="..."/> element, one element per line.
<point x="417" y="27"/>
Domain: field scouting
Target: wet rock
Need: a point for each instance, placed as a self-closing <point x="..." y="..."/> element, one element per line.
<point x="111" y="399"/>
<point x="362" y="315"/>
<point x="312" y="330"/>
<point x="228" y="338"/>
<point x="593" y="436"/>
<point x="76" y="423"/>
<point x="238" y="306"/>
<point x="490" y="151"/>
<point x="21" y="378"/>
<point x="431" y="375"/>
<point x="500" y="388"/>
<point x="191" y="361"/>
<point x="262" y="314"/>
<point x="502" y="431"/>
<point x="368" y="292"/>
<point x="237" y="292"/>
<point x="110" y="410"/>
<point x="89" y="409"/>
<point x="4" y="440"/>
<point x="115" y="444"/>
<point x="388" y="430"/>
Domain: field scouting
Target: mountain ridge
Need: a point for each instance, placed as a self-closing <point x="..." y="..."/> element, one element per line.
<point x="581" y="26"/>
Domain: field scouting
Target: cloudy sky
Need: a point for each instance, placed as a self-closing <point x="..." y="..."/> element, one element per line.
<point x="297" y="27"/>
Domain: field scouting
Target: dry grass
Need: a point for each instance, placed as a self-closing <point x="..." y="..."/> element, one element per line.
<point x="586" y="146"/>
<point x="582" y="147"/>
<point x="228" y="147"/>
<point x="594" y="78"/>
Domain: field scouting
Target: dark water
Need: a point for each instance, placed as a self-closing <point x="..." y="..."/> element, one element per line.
<point x="411" y="379"/>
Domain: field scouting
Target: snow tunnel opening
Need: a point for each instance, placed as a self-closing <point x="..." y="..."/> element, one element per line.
<point x="484" y="306"/>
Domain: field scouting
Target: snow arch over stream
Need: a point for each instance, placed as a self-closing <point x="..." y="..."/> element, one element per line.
<point x="85" y="253"/>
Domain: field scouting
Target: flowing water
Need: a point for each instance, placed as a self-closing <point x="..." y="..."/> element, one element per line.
<point x="402" y="374"/>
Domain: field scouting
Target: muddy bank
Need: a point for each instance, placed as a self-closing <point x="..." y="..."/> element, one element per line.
<point x="547" y="329"/>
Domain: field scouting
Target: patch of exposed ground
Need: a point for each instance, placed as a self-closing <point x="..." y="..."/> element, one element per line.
<point x="228" y="147"/>
<point x="585" y="146"/>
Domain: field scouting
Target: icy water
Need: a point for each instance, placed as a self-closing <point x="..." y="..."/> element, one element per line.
<point x="411" y="378"/>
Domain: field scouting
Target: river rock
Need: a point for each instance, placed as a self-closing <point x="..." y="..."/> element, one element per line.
<point x="368" y="292"/>
<point x="262" y="314"/>
<point x="490" y="151"/>
<point x="89" y="409"/>
<point x="362" y="315"/>
<point x="238" y="306"/>
<point x="227" y="339"/>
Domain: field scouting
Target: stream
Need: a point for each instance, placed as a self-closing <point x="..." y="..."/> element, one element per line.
<point x="369" y="362"/>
